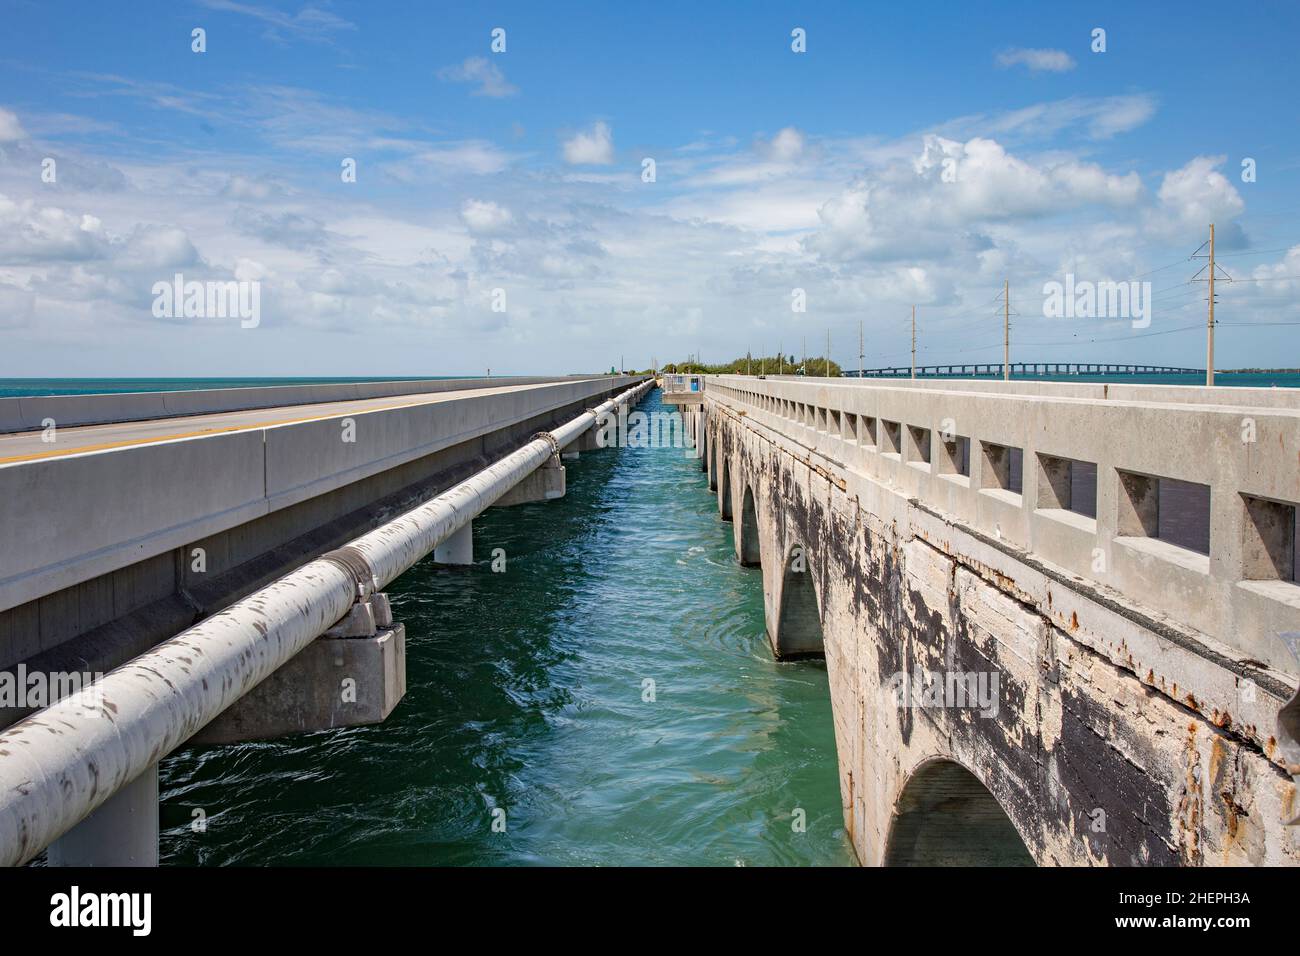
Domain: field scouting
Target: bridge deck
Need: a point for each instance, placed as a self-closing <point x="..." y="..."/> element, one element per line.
<point x="31" y="446"/>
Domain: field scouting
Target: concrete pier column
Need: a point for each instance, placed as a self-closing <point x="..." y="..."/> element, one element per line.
<point x="545" y="484"/>
<point x="458" y="549"/>
<point x="122" y="832"/>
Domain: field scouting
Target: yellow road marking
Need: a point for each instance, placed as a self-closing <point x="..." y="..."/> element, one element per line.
<point x="216" y="430"/>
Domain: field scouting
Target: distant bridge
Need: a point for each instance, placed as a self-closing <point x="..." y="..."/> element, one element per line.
<point x="1022" y="369"/>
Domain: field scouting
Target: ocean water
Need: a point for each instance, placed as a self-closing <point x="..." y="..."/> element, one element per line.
<point x="14" y="387"/>
<point x="610" y="697"/>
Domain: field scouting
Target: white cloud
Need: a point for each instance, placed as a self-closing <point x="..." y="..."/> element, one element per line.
<point x="468" y="158"/>
<point x="485" y="218"/>
<point x="1051" y="61"/>
<point x="478" y="69"/>
<point x="11" y="131"/>
<point x="951" y="194"/>
<point x="309" y="23"/>
<point x="242" y="187"/>
<point x="34" y="233"/>
<point x="786" y="146"/>
<point x="1100" y="117"/>
<point x="594" y="147"/>
<point x="1193" y="196"/>
<point x="707" y="256"/>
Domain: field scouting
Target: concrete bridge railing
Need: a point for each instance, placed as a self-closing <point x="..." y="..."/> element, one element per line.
<point x="1054" y="618"/>
<point x="1184" y="498"/>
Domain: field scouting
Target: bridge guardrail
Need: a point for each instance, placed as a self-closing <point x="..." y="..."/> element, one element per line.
<point x="1016" y="465"/>
<point x="26" y="413"/>
<point x="73" y="518"/>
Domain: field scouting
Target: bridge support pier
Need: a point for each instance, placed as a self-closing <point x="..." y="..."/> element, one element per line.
<point x="587" y="441"/>
<point x="342" y="679"/>
<point x="458" y="549"/>
<point x="122" y="832"/>
<point x="545" y="484"/>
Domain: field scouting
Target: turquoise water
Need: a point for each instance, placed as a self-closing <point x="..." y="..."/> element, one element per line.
<point x="526" y="694"/>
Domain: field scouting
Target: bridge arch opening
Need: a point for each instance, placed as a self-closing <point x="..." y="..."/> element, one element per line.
<point x="946" y="817"/>
<point x="703" y="442"/>
<point x="798" y="625"/>
<point x="710" y="457"/>
<point x="724" y="482"/>
<point x="750" y="553"/>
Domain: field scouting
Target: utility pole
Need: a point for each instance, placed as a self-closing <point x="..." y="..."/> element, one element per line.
<point x="1006" y="330"/>
<point x="748" y="363"/>
<point x="1209" y="324"/>
<point x="804" y="364"/>
<point x="828" y="353"/>
<point x="913" y="341"/>
<point x="860" y="352"/>
<point x="780" y="359"/>
<point x="1209" y="320"/>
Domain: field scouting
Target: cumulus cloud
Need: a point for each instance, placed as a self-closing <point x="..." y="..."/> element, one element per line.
<point x="485" y="218"/>
<point x="787" y="146"/>
<point x="1049" y="61"/>
<point x="11" y="131"/>
<point x="1193" y="196"/>
<point x="479" y="69"/>
<point x="246" y="188"/>
<point x="594" y="147"/>
<point x="151" y="248"/>
<point x="32" y="233"/>
<point x="950" y="194"/>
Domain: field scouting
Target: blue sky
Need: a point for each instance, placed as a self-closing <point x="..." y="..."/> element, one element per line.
<point x="521" y="172"/>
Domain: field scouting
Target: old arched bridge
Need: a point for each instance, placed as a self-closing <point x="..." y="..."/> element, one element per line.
<point x="1055" y="617"/>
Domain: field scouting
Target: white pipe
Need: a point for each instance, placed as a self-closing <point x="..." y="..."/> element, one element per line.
<point x="61" y="763"/>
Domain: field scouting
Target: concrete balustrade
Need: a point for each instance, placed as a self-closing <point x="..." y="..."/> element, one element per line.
<point x="1243" y="444"/>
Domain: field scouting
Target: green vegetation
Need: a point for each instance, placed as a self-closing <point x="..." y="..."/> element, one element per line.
<point x="757" y="365"/>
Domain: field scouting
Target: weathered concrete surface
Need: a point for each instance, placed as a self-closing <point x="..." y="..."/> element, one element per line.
<point x="333" y="682"/>
<point x="1116" y="734"/>
<point x="545" y="484"/>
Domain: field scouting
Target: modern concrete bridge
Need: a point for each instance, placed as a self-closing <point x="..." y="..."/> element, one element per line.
<point x="1059" y="620"/>
<point x="221" y="556"/>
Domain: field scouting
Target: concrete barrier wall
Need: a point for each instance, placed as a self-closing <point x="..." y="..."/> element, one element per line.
<point x="28" y="413"/>
<point x="70" y="519"/>
<point x="306" y="459"/>
<point x="1218" y="595"/>
<point x="1118" y="390"/>
<point x="67" y="520"/>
